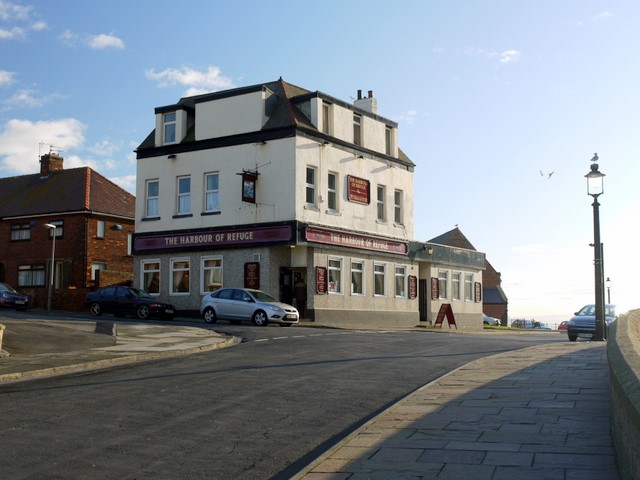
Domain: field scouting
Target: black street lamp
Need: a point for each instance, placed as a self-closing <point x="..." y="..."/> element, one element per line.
<point x="608" y="283"/>
<point x="595" y="189"/>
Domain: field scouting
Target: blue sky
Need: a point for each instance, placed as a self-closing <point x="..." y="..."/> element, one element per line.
<point x="487" y="94"/>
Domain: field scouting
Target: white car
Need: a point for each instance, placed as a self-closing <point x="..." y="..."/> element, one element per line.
<point x="241" y="304"/>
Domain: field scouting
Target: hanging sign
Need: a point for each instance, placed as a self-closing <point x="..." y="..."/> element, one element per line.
<point x="321" y="280"/>
<point x="413" y="287"/>
<point x="249" y="186"/>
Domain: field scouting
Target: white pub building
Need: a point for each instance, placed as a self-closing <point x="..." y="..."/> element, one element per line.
<point x="296" y="193"/>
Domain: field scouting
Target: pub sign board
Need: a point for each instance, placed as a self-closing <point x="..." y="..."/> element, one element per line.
<point x="358" y="190"/>
<point x="252" y="275"/>
<point x="413" y="287"/>
<point x="321" y="280"/>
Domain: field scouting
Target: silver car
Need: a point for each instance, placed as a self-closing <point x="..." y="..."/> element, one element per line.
<point x="238" y="304"/>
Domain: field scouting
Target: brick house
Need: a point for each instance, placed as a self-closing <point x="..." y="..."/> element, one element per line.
<point x="94" y="220"/>
<point x="494" y="300"/>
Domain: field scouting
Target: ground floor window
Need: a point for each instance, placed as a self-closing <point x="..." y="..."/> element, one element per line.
<point x="401" y="281"/>
<point x="335" y="275"/>
<point x="211" y="270"/>
<point x="379" y="270"/>
<point x="31" y="275"/>
<point x="357" y="277"/>
<point x="97" y="266"/>
<point x="180" y="269"/>
<point x="151" y="276"/>
<point x="443" y="283"/>
<point x="468" y="287"/>
<point x="455" y="285"/>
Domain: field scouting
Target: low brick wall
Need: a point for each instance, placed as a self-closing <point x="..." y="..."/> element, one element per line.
<point x="623" y="351"/>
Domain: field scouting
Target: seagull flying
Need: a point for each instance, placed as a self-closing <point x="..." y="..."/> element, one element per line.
<point x="547" y="174"/>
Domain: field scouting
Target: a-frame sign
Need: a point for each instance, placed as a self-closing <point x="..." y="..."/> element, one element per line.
<point x="446" y="311"/>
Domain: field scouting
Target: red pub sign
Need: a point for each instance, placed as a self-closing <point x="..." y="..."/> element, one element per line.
<point x="354" y="240"/>
<point x="358" y="190"/>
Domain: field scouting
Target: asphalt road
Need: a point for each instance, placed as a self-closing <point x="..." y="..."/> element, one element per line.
<point x="262" y="409"/>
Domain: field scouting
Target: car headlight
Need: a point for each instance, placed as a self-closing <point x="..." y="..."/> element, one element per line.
<point x="274" y="308"/>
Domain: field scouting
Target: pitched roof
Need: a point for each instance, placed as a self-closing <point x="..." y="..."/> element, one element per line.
<point x="453" y="238"/>
<point x="72" y="190"/>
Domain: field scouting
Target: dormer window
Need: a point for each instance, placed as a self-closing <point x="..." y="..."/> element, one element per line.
<point x="169" y="127"/>
<point x="326" y="118"/>
<point x="357" y="129"/>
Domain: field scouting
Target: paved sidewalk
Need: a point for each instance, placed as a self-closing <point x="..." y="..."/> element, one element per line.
<point x="42" y="348"/>
<point x="542" y="413"/>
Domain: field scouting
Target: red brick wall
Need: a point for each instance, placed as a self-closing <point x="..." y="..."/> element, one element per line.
<point x="78" y="247"/>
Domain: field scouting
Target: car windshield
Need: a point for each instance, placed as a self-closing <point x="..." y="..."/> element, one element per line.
<point x="139" y="293"/>
<point x="6" y="288"/>
<point x="263" y="297"/>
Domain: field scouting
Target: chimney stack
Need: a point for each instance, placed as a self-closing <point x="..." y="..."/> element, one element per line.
<point x="369" y="103"/>
<point x="50" y="162"/>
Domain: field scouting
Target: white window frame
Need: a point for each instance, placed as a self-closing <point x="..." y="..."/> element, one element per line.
<point x="152" y="202"/>
<point x="332" y="192"/>
<point x="95" y="266"/>
<point x="456" y="284"/>
<point x="379" y="270"/>
<point x="468" y="287"/>
<point x="183" y="198"/>
<point x="204" y="287"/>
<point x="381" y="213"/>
<point x="58" y="231"/>
<point x="327" y="113"/>
<point x="357" y="129"/>
<point x="169" y="127"/>
<point x="144" y="271"/>
<point x="211" y="193"/>
<point x="361" y="273"/>
<point x="32" y="275"/>
<point x="388" y="140"/>
<point x="100" y="228"/>
<point x="400" y="284"/>
<point x="443" y="284"/>
<point x="311" y="188"/>
<point x="331" y="267"/>
<point x="20" y="232"/>
<point x="397" y="207"/>
<point x="173" y="270"/>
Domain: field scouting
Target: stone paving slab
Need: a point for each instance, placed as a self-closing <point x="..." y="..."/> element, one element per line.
<point x="540" y="413"/>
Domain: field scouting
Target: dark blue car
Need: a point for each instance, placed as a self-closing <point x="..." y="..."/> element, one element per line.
<point x="9" y="298"/>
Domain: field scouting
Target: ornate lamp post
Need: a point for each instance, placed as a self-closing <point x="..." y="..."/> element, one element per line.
<point x="595" y="189"/>
<point x="52" y="228"/>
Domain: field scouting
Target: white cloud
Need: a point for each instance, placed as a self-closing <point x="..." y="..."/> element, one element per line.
<point x="407" y="117"/>
<point x="95" y="42"/>
<point x="39" y="26"/>
<point x="603" y="16"/>
<point x="19" y="141"/>
<point x="104" y="148"/>
<point x="510" y="56"/>
<point x="200" y="82"/>
<point x="13" y="11"/>
<point x="6" y="78"/>
<point x="102" y="41"/>
<point x="29" y="99"/>
<point x="15" y="32"/>
<point x="128" y="182"/>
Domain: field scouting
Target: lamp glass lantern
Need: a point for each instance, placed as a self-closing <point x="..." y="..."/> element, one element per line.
<point x="595" y="181"/>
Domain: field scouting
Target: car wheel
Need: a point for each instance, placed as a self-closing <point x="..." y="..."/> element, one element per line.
<point x="95" y="309"/>
<point x="209" y="315"/>
<point x="143" y="312"/>
<point x="572" y="338"/>
<point x="260" y="318"/>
